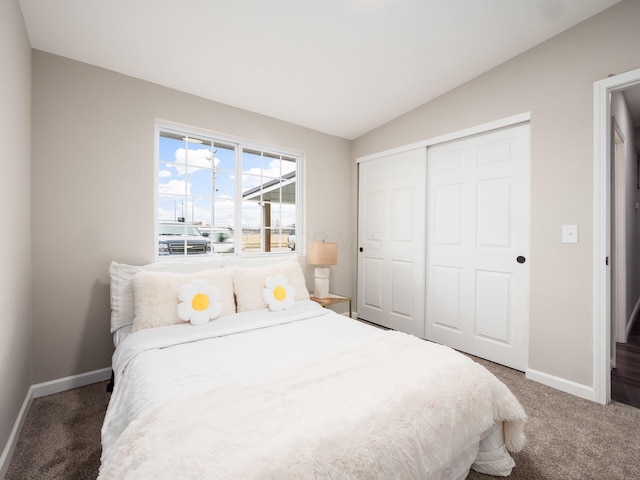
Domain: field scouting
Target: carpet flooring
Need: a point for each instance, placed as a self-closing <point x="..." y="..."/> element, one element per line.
<point x="60" y="438"/>
<point x="568" y="437"/>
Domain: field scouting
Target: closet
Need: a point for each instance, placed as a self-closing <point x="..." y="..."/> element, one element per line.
<point x="443" y="235"/>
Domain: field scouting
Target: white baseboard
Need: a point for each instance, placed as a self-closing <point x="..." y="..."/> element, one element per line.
<point x="10" y="447"/>
<point x="73" y="381"/>
<point x="40" y="390"/>
<point x="562" y="384"/>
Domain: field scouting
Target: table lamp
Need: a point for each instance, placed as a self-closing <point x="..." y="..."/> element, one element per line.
<point x="322" y="254"/>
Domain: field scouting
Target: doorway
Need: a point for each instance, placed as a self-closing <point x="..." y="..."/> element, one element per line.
<point x="618" y="240"/>
<point x="625" y="236"/>
<point x="616" y="206"/>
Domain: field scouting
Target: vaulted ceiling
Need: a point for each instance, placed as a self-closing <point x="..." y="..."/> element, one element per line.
<point x="342" y="67"/>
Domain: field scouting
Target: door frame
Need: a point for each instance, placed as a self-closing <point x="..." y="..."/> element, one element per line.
<point x="618" y="240"/>
<point x="602" y="139"/>
<point x="467" y="132"/>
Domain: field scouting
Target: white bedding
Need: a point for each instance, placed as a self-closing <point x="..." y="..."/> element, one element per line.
<point x="159" y="367"/>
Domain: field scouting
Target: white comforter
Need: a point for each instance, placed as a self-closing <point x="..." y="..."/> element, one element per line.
<point x="301" y="394"/>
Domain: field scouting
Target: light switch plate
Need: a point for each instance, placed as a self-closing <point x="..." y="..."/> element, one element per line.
<point x="570" y="234"/>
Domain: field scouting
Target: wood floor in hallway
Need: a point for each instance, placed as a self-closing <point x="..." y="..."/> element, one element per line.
<point x="625" y="378"/>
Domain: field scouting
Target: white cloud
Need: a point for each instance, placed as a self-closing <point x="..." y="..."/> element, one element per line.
<point x="251" y="215"/>
<point x="176" y="187"/>
<point x="191" y="212"/>
<point x="224" y="205"/>
<point x="224" y="212"/>
<point x="165" y="215"/>
<point x="251" y="177"/>
<point x="200" y="158"/>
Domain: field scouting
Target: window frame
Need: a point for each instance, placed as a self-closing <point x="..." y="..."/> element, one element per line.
<point x="240" y="145"/>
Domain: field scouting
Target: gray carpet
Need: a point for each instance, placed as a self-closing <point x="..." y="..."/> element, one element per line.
<point x="568" y="438"/>
<point x="61" y="436"/>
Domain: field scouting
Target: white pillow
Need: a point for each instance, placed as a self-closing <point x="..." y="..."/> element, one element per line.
<point x="120" y="275"/>
<point x="156" y="295"/>
<point x="249" y="283"/>
<point x="278" y="293"/>
<point x="258" y="261"/>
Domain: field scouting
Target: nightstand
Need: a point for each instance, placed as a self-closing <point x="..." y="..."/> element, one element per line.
<point x="332" y="299"/>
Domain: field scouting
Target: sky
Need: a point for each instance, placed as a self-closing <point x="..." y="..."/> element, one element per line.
<point x="186" y="183"/>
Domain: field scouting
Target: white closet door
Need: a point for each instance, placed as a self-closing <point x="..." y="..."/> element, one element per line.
<point x="478" y="245"/>
<point x="391" y="241"/>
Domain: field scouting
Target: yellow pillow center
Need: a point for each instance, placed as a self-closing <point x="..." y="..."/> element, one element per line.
<point x="279" y="293"/>
<point x="200" y="302"/>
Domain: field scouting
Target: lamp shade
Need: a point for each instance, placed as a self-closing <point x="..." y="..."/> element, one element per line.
<point x="322" y="253"/>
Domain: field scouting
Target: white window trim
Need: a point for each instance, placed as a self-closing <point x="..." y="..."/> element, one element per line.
<point x="240" y="143"/>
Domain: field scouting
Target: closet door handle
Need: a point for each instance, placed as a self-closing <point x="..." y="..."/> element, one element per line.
<point x="361" y="249"/>
<point x="521" y="259"/>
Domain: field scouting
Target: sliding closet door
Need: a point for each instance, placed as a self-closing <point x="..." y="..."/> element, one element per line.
<point x="391" y="241"/>
<point x="478" y="245"/>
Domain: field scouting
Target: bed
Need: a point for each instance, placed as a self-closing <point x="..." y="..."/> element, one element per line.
<point x="277" y="387"/>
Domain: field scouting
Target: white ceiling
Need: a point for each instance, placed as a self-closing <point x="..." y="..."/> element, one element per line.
<point x="342" y="67"/>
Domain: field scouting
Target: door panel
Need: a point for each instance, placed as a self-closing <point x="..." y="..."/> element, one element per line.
<point x="494" y="222"/>
<point x="372" y="283"/>
<point x="391" y="236"/>
<point x="445" y="288"/>
<point x="448" y="215"/>
<point x="401" y="296"/>
<point x="477" y="225"/>
<point x="493" y="320"/>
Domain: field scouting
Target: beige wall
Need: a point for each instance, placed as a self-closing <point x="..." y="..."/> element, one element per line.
<point x="15" y="263"/>
<point x="554" y="81"/>
<point x="93" y="200"/>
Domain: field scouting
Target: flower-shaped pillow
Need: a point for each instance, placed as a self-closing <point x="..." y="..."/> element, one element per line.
<point x="278" y="293"/>
<point x="199" y="302"/>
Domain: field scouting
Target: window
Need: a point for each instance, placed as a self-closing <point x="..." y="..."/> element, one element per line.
<point x="221" y="196"/>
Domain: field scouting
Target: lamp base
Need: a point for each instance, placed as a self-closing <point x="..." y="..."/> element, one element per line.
<point x="321" y="283"/>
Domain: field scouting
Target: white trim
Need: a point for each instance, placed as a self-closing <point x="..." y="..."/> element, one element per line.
<point x="225" y="137"/>
<point x="467" y="132"/>
<point x="562" y="384"/>
<point x="40" y="390"/>
<point x="618" y="288"/>
<point x="238" y="143"/>
<point x="68" y="383"/>
<point x="601" y="229"/>
<point x="7" y="453"/>
<point x="601" y="240"/>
